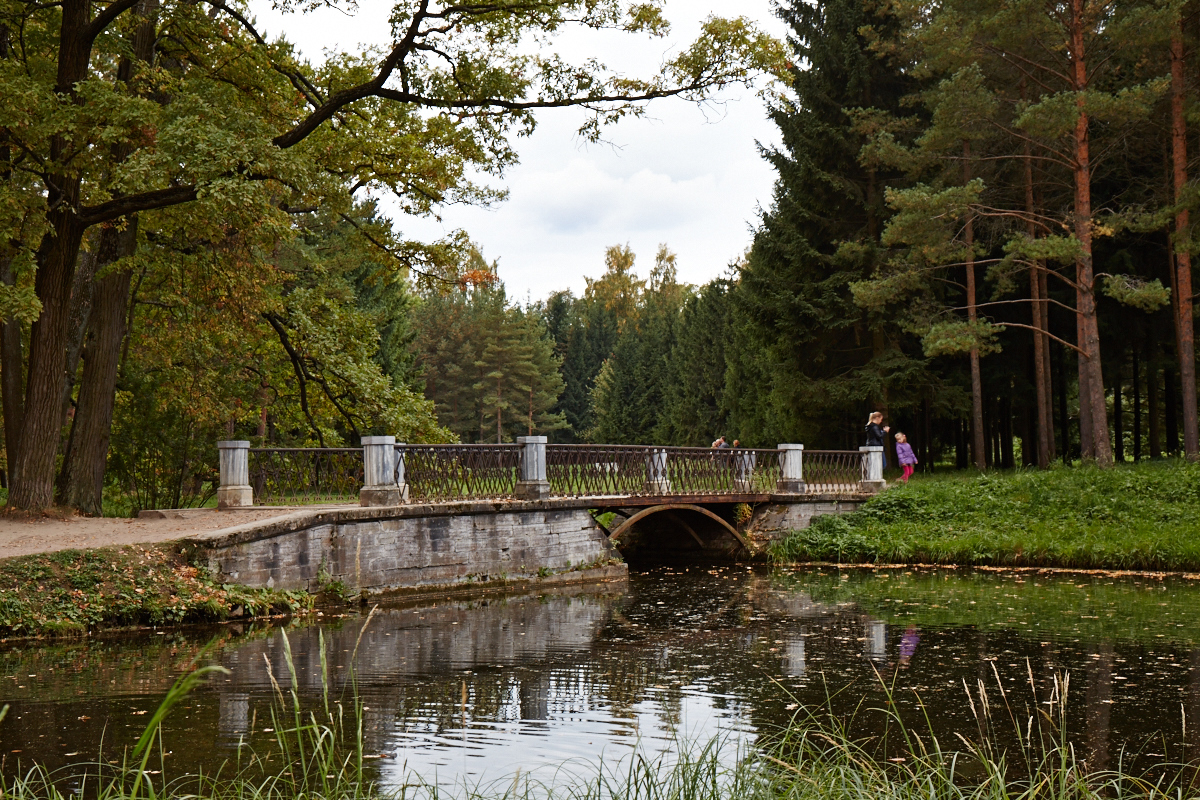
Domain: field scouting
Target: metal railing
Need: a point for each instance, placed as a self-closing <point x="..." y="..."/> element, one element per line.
<point x="448" y="472"/>
<point x="459" y="471"/>
<point x="829" y="471"/>
<point x="296" y="476"/>
<point x="582" y="470"/>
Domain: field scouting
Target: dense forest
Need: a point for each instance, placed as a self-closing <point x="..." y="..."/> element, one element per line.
<point x="980" y="227"/>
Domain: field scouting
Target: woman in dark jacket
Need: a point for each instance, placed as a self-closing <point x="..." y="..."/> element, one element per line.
<point x="877" y="433"/>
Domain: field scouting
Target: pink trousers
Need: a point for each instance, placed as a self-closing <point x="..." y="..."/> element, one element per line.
<point x="908" y="471"/>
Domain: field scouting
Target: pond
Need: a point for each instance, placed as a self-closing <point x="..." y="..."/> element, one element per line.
<point x="470" y="691"/>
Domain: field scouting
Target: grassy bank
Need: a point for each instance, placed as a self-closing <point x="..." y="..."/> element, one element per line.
<point x="1130" y="517"/>
<point x="75" y="591"/>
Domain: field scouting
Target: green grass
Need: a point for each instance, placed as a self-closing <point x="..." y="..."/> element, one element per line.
<point x="1144" y="517"/>
<point x="75" y="591"/>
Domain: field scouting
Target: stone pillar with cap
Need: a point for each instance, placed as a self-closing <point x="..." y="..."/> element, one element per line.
<point x="532" y="483"/>
<point x="380" y="485"/>
<point x="791" y="469"/>
<point x="656" y="470"/>
<point x="872" y="469"/>
<point x="235" y="490"/>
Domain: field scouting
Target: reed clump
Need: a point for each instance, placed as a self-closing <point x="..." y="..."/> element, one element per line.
<point x="814" y="757"/>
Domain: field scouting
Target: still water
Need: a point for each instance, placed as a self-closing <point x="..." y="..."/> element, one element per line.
<point x="470" y="691"/>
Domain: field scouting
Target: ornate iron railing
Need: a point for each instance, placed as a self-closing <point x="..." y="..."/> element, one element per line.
<point x="460" y="471"/>
<point x="581" y="470"/>
<point x="446" y="472"/>
<point x="293" y="476"/>
<point x="833" y="470"/>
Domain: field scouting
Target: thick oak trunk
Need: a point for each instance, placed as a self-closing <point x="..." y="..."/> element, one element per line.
<point x="33" y="470"/>
<point x="1183" y="260"/>
<point x="83" y="471"/>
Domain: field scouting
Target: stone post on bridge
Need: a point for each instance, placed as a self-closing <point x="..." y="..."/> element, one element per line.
<point x="872" y="469"/>
<point x="383" y="477"/>
<point x="234" y="491"/>
<point x="531" y="476"/>
<point x="657" y="480"/>
<point x="791" y="469"/>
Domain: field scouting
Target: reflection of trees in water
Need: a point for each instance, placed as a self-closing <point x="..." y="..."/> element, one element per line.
<point x="752" y="646"/>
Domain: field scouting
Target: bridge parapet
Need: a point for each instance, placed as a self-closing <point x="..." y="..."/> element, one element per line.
<point x="387" y="473"/>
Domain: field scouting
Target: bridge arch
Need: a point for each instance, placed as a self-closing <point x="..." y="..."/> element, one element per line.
<point x="645" y="512"/>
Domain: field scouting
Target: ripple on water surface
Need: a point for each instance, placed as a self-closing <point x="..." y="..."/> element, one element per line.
<point x="470" y="691"/>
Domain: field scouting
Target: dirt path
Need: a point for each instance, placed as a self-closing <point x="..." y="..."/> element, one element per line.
<point x="19" y="537"/>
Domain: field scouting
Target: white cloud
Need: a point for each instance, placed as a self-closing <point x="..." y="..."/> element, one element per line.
<point x="687" y="176"/>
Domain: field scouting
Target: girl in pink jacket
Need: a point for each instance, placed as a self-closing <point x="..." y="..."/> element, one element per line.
<point x="905" y="455"/>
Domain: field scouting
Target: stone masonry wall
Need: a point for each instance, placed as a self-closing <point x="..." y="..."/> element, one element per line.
<point x="401" y="548"/>
<point x="775" y="520"/>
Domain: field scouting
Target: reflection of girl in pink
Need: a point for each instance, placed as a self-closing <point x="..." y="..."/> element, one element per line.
<point x="905" y="455"/>
<point x="908" y="645"/>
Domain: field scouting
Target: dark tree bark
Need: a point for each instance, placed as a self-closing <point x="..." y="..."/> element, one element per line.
<point x="1091" y="376"/>
<point x="1183" y="260"/>
<point x="1118" y="417"/>
<point x="1137" y="407"/>
<point x="1172" y="411"/>
<point x="33" y="472"/>
<point x="83" y="471"/>
<point x="1152" y="409"/>
<point x="981" y="461"/>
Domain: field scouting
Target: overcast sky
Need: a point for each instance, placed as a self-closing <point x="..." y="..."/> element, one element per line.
<point x="690" y="177"/>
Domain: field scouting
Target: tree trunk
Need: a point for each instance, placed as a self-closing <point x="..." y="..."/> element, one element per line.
<point x="12" y="358"/>
<point x="33" y="472"/>
<point x="1063" y="427"/>
<point x="1118" y="418"/>
<point x="12" y="377"/>
<point x="1172" y="412"/>
<point x="1183" y="259"/>
<point x="83" y="469"/>
<point x="1045" y="433"/>
<point x="1152" y="403"/>
<point x="972" y="315"/>
<point x="77" y="323"/>
<point x="1137" y="407"/>
<point x="1087" y="451"/>
<point x="1091" y="394"/>
<point x="1044" y="293"/>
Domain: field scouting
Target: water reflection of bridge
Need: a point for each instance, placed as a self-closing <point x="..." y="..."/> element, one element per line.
<point x="745" y="644"/>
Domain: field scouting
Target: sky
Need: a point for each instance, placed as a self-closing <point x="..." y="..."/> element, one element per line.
<point x="687" y="176"/>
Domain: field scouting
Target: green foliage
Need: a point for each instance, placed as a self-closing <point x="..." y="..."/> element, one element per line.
<point x="1135" y="517"/>
<point x="1144" y="295"/>
<point x="489" y="367"/>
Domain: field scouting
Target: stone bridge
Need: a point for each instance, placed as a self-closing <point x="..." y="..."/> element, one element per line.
<point x="399" y="517"/>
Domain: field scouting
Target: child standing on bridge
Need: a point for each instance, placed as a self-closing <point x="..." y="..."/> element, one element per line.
<point x="905" y="455"/>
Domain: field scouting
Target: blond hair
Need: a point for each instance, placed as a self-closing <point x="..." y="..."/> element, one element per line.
<point x="874" y="414"/>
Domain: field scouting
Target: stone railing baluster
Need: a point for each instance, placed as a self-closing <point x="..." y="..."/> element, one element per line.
<point x="532" y="483"/>
<point x="234" y="491"/>
<point x="872" y="469"/>
<point x="380" y="487"/>
<point x="791" y="469"/>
